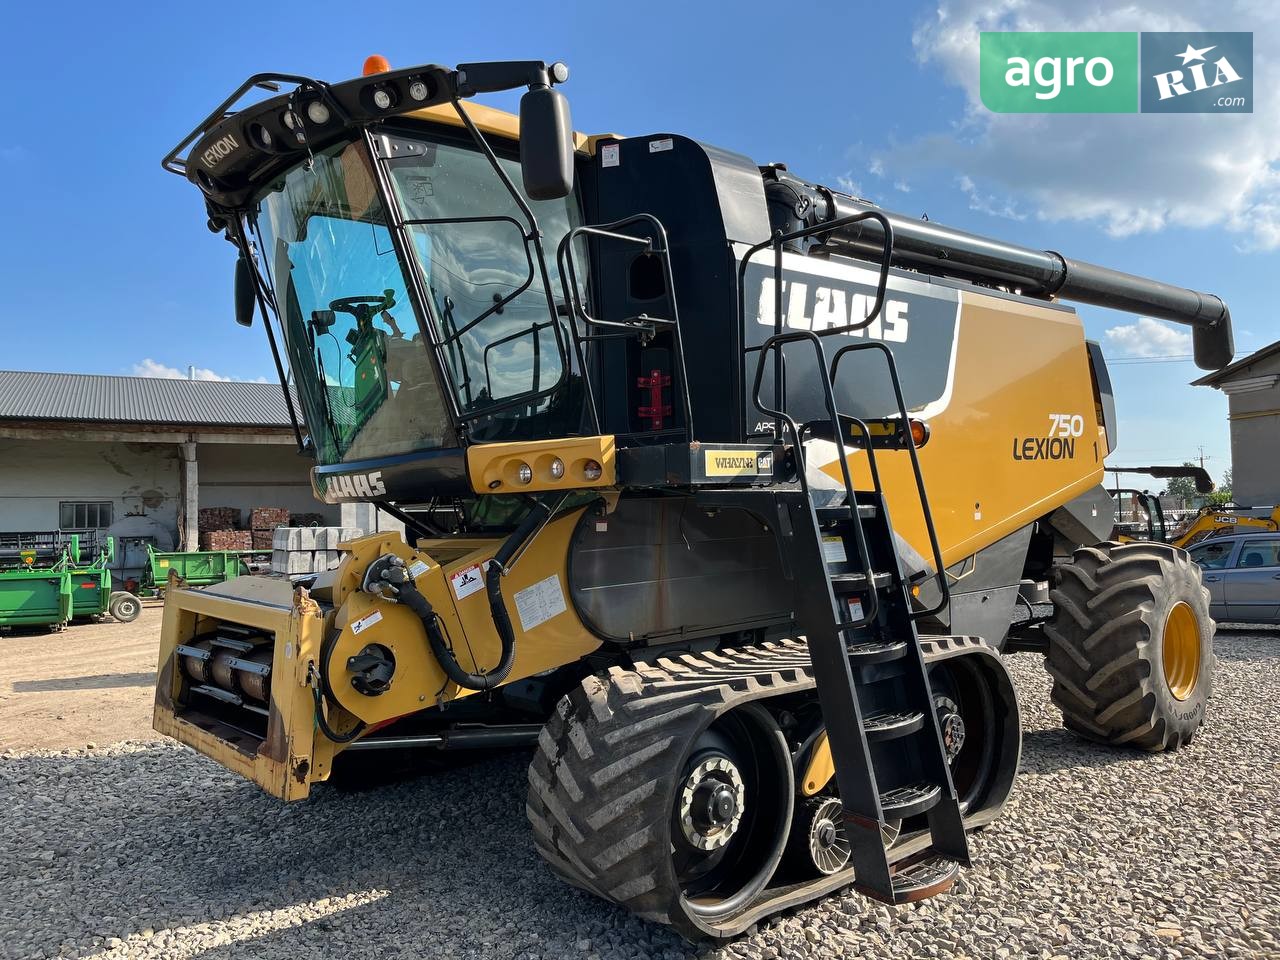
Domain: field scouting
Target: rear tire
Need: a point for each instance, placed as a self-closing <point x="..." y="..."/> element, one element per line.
<point x="1131" y="645"/>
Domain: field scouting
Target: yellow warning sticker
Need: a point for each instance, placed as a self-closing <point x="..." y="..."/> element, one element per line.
<point x="737" y="463"/>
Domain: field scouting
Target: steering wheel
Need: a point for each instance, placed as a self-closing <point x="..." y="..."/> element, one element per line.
<point x="364" y="307"/>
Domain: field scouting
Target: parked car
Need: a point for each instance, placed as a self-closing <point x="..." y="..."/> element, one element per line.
<point x="1242" y="573"/>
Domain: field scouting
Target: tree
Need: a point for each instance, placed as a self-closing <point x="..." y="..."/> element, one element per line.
<point x="1182" y="487"/>
<point x="1222" y="494"/>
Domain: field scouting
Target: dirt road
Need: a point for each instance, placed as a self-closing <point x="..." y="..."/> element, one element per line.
<point x="91" y="684"/>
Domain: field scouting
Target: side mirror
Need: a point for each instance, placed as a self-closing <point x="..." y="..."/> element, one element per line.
<point x="546" y="144"/>
<point x="246" y="295"/>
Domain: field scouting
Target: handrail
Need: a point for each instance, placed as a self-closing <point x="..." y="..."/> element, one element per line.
<point x="940" y="573"/>
<point x="780" y="239"/>
<point x="566" y="266"/>
<point x="864" y="554"/>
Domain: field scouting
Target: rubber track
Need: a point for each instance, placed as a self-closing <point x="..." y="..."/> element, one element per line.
<point x="602" y="783"/>
<point x="1103" y="656"/>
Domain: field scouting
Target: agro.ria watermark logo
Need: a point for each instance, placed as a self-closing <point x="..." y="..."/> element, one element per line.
<point x="1117" y="72"/>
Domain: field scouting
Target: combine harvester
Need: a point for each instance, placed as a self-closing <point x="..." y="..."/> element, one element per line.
<point x="724" y="490"/>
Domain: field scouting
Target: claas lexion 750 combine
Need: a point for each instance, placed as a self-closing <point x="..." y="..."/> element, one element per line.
<point x="660" y="424"/>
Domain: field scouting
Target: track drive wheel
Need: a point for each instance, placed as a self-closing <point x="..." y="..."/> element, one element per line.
<point x="1131" y="644"/>
<point x="642" y="801"/>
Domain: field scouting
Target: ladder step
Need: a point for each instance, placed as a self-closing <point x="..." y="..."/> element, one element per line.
<point x="926" y="878"/>
<point x="866" y="511"/>
<point x="876" y="651"/>
<point x="891" y="724"/>
<point x="858" y="582"/>
<point x="902" y="802"/>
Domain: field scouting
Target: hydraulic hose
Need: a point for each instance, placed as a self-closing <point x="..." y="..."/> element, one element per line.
<point x="327" y="730"/>
<point x="391" y="570"/>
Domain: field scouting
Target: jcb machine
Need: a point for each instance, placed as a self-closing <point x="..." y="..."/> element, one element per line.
<point x="722" y="489"/>
<point x="1148" y="521"/>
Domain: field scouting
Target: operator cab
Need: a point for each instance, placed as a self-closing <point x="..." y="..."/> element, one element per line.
<point x="398" y="252"/>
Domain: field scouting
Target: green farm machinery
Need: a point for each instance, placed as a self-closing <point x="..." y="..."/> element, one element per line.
<point x="47" y="579"/>
<point x="195" y="568"/>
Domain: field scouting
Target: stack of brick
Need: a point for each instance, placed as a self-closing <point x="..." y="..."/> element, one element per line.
<point x="263" y="521"/>
<point x="226" y="540"/>
<point x="218" y="518"/>
<point x="303" y="550"/>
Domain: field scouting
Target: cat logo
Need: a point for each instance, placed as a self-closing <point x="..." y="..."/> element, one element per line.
<point x="738" y="463"/>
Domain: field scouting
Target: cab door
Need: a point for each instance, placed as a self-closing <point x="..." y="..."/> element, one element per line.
<point x="1253" y="582"/>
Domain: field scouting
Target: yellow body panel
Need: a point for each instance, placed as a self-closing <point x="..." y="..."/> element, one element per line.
<point x="492" y="466"/>
<point x="543" y="569"/>
<point x="456" y="593"/>
<point x="490" y="120"/>
<point x="1017" y="366"/>
<point x="820" y="768"/>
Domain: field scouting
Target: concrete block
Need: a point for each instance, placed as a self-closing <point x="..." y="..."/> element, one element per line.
<point x="299" y="563"/>
<point x="280" y="560"/>
<point x="332" y="559"/>
<point x="280" y="538"/>
<point x="306" y="538"/>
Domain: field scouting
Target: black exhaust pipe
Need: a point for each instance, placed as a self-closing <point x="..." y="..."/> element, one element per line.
<point x="932" y="248"/>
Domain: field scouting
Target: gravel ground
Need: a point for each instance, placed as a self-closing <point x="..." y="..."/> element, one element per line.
<point x="147" y="850"/>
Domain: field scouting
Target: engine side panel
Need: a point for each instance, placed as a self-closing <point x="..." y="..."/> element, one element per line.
<point x="663" y="567"/>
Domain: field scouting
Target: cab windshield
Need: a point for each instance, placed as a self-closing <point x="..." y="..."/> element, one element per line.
<point x="357" y="350"/>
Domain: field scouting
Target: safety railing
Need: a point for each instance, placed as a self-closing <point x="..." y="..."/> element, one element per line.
<point x="827" y="377"/>
<point x="643" y="326"/>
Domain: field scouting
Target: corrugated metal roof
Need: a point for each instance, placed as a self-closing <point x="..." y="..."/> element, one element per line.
<point x="27" y="395"/>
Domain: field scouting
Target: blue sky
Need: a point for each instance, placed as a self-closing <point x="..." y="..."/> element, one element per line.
<point x="108" y="268"/>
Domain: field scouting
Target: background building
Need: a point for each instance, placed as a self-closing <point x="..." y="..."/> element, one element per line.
<point x="84" y="452"/>
<point x="1252" y="386"/>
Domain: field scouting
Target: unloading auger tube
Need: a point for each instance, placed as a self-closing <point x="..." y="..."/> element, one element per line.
<point x="932" y="248"/>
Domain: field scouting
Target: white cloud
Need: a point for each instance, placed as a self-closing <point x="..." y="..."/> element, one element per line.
<point x="902" y="186"/>
<point x="849" y="185"/>
<point x="1148" y="338"/>
<point x="1130" y="173"/>
<point x="988" y="203"/>
<point x="154" y="368"/>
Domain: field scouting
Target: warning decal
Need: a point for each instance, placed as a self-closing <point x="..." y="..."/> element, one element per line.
<point x="537" y="604"/>
<point x="364" y="623"/>
<point x="467" y="581"/>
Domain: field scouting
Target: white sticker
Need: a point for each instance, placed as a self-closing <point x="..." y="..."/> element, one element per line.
<point x="539" y="603"/>
<point x="657" y="146"/>
<point x="364" y="623"/>
<point x="417" y="569"/>
<point x="602" y="526"/>
<point x="855" y="609"/>
<point x="467" y="581"/>
<point x="833" y="550"/>
<point x="609" y="155"/>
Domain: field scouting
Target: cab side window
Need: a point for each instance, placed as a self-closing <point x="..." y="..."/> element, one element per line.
<point x="1212" y="556"/>
<point x="1259" y="553"/>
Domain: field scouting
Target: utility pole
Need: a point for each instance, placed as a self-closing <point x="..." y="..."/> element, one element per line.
<point x="1203" y="458"/>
